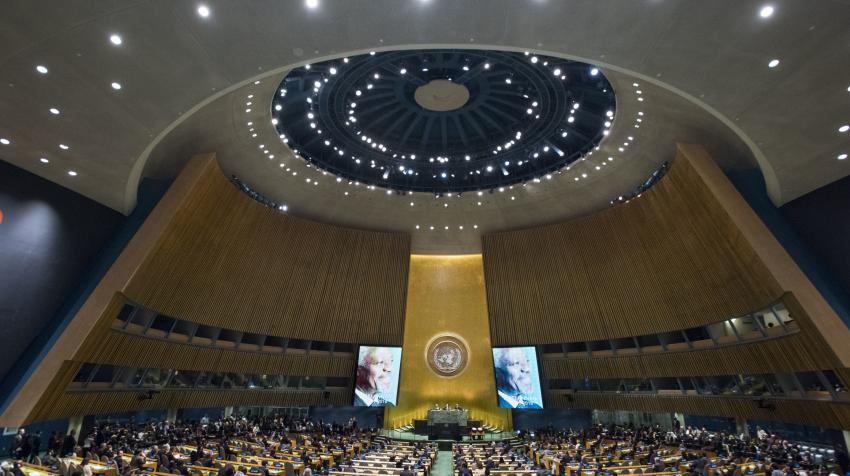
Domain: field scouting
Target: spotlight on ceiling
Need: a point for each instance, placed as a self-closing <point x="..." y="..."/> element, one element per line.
<point x="41" y="69"/>
<point x="312" y="3"/>
<point x="766" y="11"/>
<point x="203" y="11"/>
<point x="773" y="63"/>
<point x="115" y="39"/>
<point x="116" y="86"/>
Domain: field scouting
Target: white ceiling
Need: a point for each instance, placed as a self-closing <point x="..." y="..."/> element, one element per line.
<point x="701" y="66"/>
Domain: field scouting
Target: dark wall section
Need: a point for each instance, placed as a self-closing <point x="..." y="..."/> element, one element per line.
<point x="48" y="237"/>
<point x="558" y="418"/>
<point x="813" y="230"/>
<point x="55" y="246"/>
<point x="822" y="219"/>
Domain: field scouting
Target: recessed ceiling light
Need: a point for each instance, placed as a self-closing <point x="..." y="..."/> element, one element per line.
<point x="842" y="156"/>
<point x="43" y="160"/>
<point x="773" y="63"/>
<point x="203" y="11"/>
<point x="63" y="147"/>
<point x="72" y="173"/>
<point x="41" y="69"/>
<point x="844" y="128"/>
<point x="4" y="141"/>
<point x="766" y="11"/>
<point x="115" y="39"/>
<point x="53" y="110"/>
<point x="116" y="86"/>
<point x="312" y="3"/>
<point x="594" y="71"/>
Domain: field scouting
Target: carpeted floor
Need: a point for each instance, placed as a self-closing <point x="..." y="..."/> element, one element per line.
<point x="443" y="464"/>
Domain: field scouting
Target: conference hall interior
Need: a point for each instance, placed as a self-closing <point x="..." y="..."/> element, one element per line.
<point x="425" y="238"/>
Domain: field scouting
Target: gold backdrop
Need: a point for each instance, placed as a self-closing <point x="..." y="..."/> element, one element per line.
<point x="446" y="295"/>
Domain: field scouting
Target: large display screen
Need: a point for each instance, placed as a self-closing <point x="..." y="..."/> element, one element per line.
<point x="517" y="377"/>
<point x="377" y="376"/>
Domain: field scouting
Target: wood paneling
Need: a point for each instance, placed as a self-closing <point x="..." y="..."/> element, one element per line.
<point x="805" y="350"/>
<point x="92" y="403"/>
<point x="670" y="259"/>
<point x="810" y="413"/>
<point x="227" y="261"/>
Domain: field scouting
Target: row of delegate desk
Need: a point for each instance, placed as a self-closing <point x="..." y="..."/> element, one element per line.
<point x="285" y="462"/>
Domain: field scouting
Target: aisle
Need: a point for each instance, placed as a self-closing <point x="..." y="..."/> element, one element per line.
<point x="443" y="464"/>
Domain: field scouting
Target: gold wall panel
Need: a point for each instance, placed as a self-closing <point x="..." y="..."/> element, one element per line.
<point x="446" y="295"/>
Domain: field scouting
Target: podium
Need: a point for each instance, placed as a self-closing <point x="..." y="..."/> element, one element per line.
<point x="445" y="424"/>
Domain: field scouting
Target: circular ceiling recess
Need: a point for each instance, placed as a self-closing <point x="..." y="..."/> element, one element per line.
<point x="443" y="120"/>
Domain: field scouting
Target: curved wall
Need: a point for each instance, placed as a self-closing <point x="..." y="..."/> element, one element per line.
<point x="686" y="253"/>
<point x="667" y="260"/>
<point x="213" y="256"/>
<point x="227" y="261"/>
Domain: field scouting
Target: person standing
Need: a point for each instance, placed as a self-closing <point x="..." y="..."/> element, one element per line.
<point x="35" y="446"/>
<point x="68" y="444"/>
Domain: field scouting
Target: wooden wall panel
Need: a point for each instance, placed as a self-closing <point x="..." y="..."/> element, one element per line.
<point x="93" y="403"/>
<point x="225" y="260"/>
<point x="805" y="350"/>
<point x="810" y="413"/>
<point x="133" y="351"/>
<point x="670" y="259"/>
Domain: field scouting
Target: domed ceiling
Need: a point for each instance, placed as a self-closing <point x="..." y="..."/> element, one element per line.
<point x="443" y="120"/>
<point x="98" y="95"/>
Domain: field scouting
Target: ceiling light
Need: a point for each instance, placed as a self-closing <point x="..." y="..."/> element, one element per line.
<point x="63" y="147"/>
<point x="534" y="59"/>
<point x="53" y="110"/>
<point x="72" y="173"/>
<point x="766" y="11"/>
<point x="115" y="39"/>
<point x="203" y="11"/>
<point x="842" y="156"/>
<point x="43" y="160"/>
<point x="312" y="3"/>
<point x="773" y="63"/>
<point x="403" y="71"/>
<point x="116" y="86"/>
<point x="486" y="65"/>
<point x="333" y="70"/>
<point x="844" y="128"/>
<point x="41" y="69"/>
<point x="594" y="71"/>
<point x="4" y="141"/>
<point x="557" y="72"/>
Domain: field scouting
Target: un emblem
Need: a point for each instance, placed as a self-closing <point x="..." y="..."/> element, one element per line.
<point x="447" y="355"/>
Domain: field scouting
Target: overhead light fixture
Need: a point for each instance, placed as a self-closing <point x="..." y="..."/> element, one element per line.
<point x="72" y="173"/>
<point x="53" y="110"/>
<point x="312" y="3"/>
<point x="844" y="128"/>
<point x="773" y="63"/>
<point x="842" y="156"/>
<point x="63" y="147"/>
<point x="115" y="39"/>
<point x="594" y="71"/>
<point x="116" y="86"/>
<point x="5" y="141"/>
<point x="203" y="11"/>
<point x="43" y="160"/>
<point x="766" y="11"/>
